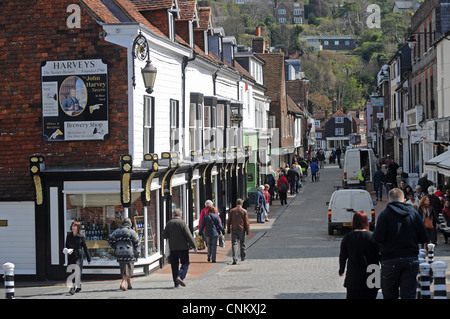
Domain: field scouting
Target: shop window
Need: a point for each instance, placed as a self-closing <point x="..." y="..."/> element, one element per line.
<point x="102" y="213"/>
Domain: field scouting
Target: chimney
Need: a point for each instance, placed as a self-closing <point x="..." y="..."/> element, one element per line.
<point x="258" y="45"/>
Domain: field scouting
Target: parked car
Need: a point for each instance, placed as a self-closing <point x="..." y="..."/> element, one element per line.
<point x="342" y="205"/>
<point x="354" y="160"/>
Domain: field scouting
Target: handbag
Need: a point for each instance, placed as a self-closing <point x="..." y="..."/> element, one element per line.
<point x="258" y="209"/>
<point x="428" y="223"/>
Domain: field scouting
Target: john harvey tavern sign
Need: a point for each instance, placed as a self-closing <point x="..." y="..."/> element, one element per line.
<point x="75" y="100"/>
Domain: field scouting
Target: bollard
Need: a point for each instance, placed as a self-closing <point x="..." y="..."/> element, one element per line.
<point x="422" y="255"/>
<point x="425" y="280"/>
<point x="430" y="253"/>
<point x="440" y="289"/>
<point x="8" y="268"/>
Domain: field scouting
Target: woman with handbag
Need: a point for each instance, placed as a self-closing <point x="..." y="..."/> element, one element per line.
<point x="429" y="218"/>
<point x="125" y="242"/>
<point x="260" y="208"/>
<point x="76" y="241"/>
<point x="211" y="227"/>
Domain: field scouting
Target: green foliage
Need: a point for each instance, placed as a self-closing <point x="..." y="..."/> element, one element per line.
<point x="347" y="79"/>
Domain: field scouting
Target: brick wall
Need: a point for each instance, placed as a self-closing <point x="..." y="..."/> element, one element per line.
<point x="34" y="32"/>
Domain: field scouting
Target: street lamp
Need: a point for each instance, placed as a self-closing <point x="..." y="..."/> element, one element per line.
<point x="412" y="40"/>
<point x="141" y="51"/>
<point x="149" y="76"/>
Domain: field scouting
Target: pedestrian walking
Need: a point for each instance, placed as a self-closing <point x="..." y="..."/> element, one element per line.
<point x="283" y="187"/>
<point x="304" y="167"/>
<point x="338" y="156"/>
<point x="314" y="170"/>
<point x="399" y="231"/>
<point x="180" y="241"/>
<point x="418" y="194"/>
<point x="435" y="201"/>
<point x="268" y="201"/>
<point x="210" y="229"/>
<point x="125" y="242"/>
<point x="424" y="183"/>
<point x="293" y="177"/>
<point x="204" y="211"/>
<point x="239" y="226"/>
<point x="390" y="179"/>
<point x="358" y="251"/>
<point x="430" y="218"/>
<point x="76" y="241"/>
<point x="378" y="180"/>
<point x="260" y="206"/>
<point x="270" y="180"/>
<point x="320" y="156"/>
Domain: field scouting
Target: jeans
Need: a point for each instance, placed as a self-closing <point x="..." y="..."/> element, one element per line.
<point x="400" y="273"/>
<point x="176" y="257"/>
<point x="389" y="186"/>
<point x="238" y="243"/>
<point x="211" y="244"/>
<point x="379" y="191"/>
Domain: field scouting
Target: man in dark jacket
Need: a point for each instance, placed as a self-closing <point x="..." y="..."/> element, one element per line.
<point x="293" y="177"/>
<point x="399" y="231"/>
<point x="424" y="183"/>
<point x="180" y="241"/>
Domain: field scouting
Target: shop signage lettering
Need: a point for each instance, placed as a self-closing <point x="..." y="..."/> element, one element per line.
<point x="75" y="100"/>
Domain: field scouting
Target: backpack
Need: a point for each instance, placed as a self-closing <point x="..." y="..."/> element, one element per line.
<point x="283" y="188"/>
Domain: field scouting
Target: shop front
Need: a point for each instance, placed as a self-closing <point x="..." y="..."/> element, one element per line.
<point x="93" y="197"/>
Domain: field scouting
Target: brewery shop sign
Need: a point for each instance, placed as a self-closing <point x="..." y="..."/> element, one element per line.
<point x="75" y="100"/>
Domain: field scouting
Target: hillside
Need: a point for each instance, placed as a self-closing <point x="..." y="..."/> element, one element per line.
<point x="349" y="79"/>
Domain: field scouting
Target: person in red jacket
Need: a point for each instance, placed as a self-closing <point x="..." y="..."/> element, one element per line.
<point x="446" y="211"/>
<point x="283" y="187"/>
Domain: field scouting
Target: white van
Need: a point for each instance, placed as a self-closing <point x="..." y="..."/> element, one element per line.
<point x="354" y="160"/>
<point x="343" y="203"/>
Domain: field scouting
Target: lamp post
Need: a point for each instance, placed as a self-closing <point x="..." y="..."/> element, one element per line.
<point x="141" y="51"/>
<point x="412" y="40"/>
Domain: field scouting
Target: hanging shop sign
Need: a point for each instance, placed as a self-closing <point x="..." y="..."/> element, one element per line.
<point x="75" y="100"/>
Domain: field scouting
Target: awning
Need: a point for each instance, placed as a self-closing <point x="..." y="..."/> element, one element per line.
<point x="440" y="164"/>
<point x="444" y="166"/>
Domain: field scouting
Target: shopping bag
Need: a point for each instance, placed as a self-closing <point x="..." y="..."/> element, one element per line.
<point x="199" y="242"/>
<point x="222" y="241"/>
